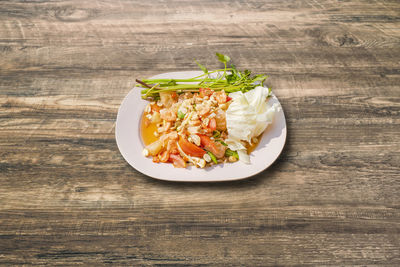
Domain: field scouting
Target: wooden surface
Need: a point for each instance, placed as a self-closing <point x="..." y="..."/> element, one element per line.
<point x="68" y="197"/>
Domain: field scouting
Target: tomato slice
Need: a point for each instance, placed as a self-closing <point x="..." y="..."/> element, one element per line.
<point x="190" y="149"/>
<point x="177" y="161"/>
<point x="205" y="92"/>
<point x="212" y="124"/>
<point x="216" y="148"/>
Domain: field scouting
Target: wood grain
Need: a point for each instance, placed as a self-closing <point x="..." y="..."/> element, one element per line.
<point x="67" y="196"/>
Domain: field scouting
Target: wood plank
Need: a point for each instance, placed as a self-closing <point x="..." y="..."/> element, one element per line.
<point x="68" y="197"/>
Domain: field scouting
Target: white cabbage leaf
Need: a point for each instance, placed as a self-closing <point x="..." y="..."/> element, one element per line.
<point x="248" y="116"/>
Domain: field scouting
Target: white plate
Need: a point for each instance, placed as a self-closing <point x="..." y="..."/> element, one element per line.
<point x="129" y="141"/>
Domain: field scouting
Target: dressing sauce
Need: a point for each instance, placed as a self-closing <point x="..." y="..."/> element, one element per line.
<point x="147" y="133"/>
<point x="253" y="146"/>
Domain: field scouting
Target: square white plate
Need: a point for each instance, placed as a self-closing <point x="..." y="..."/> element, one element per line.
<point x="130" y="144"/>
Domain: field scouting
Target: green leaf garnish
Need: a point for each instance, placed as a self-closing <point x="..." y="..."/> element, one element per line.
<point x="204" y="69"/>
<point x="234" y="70"/>
<point x="229" y="152"/>
<point x="222" y="142"/>
<point x="213" y="157"/>
<point x="181" y="115"/>
<point x="216" y="134"/>
<point x="230" y="79"/>
<point x="224" y="59"/>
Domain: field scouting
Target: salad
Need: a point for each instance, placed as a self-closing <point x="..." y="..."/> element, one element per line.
<point x="213" y="118"/>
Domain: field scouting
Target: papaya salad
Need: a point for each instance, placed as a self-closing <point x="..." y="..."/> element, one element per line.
<point x="214" y="118"/>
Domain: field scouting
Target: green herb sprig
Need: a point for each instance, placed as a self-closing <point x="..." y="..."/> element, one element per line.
<point x="228" y="79"/>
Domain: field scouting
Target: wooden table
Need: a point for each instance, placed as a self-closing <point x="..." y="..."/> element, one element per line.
<point x="68" y="197"/>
